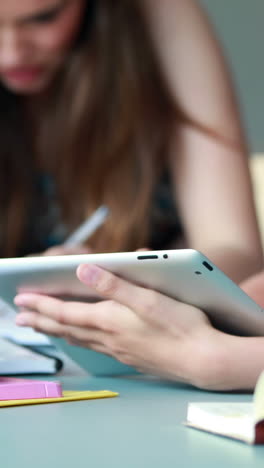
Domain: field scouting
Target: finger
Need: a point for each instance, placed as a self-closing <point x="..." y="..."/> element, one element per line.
<point x="99" y="348"/>
<point x="253" y="286"/>
<point x="110" y="286"/>
<point x="62" y="250"/>
<point x="49" y="326"/>
<point x="65" y="313"/>
<point x="94" y="346"/>
<point x="40" y="323"/>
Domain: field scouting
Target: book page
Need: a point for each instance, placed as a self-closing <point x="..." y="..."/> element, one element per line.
<point x="259" y="399"/>
<point x="234" y="420"/>
<point x="243" y="421"/>
<point x="259" y="410"/>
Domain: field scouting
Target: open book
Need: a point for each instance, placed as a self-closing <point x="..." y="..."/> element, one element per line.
<point x="242" y="421"/>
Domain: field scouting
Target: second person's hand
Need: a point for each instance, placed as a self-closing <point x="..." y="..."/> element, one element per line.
<point x="67" y="250"/>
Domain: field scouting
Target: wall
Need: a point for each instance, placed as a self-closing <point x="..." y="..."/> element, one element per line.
<point x="240" y="26"/>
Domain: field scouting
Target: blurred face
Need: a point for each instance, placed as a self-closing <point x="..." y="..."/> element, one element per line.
<point x="35" y="38"/>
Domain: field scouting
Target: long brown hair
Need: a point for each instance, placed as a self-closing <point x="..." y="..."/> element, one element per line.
<point x="104" y="132"/>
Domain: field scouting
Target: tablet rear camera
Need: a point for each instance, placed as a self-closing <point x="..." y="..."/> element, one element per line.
<point x="208" y="266"/>
<point x="165" y="256"/>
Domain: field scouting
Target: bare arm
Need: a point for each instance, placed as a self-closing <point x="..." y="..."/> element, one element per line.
<point x="240" y="362"/>
<point x="211" y="175"/>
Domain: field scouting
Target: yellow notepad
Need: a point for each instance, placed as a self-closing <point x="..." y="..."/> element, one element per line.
<point x="68" y="395"/>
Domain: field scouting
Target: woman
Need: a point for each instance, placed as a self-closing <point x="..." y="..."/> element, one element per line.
<point x="127" y="104"/>
<point x="108" y="99"/>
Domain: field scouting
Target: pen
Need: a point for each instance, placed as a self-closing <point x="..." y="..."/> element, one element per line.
<point x="85" y="230"/>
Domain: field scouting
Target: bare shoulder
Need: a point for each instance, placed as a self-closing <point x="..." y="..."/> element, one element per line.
<point x="182" y="14"/>
<point x="193" y="62"/>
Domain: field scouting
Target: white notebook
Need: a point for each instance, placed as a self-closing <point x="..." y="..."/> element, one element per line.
<point x="21" y="335"/>
<point x="18" y="360"/>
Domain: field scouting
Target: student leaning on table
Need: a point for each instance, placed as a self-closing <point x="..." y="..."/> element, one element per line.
<point x="102" y="102"/>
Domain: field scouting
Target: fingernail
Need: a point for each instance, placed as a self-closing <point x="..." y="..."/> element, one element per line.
<point x="21" y="321"/>
<point x="89" y="273"/>
<point x="21" y="300"/>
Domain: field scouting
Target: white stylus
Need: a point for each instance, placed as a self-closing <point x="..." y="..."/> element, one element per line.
<point x="85" y="230"/>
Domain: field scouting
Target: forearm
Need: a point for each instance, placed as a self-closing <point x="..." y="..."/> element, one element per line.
<point x="237" y="263"/>
<point x="230" y="363"/>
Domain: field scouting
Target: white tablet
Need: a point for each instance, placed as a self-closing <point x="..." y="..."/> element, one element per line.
<point x="186" y="275"/>
<point x="183" y="274"/>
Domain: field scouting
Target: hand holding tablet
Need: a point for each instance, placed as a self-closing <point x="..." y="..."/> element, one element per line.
<point x="147" y="318"/>
<point x="186" y="275"/>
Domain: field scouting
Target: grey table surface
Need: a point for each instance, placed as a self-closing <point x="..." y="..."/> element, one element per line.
<point x="142" y="427"/>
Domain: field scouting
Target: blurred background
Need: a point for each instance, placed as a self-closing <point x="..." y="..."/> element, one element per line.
<point x="240" y="26"/>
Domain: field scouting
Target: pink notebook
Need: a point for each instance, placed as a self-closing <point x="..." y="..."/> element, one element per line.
<point x="23" y="389"/>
